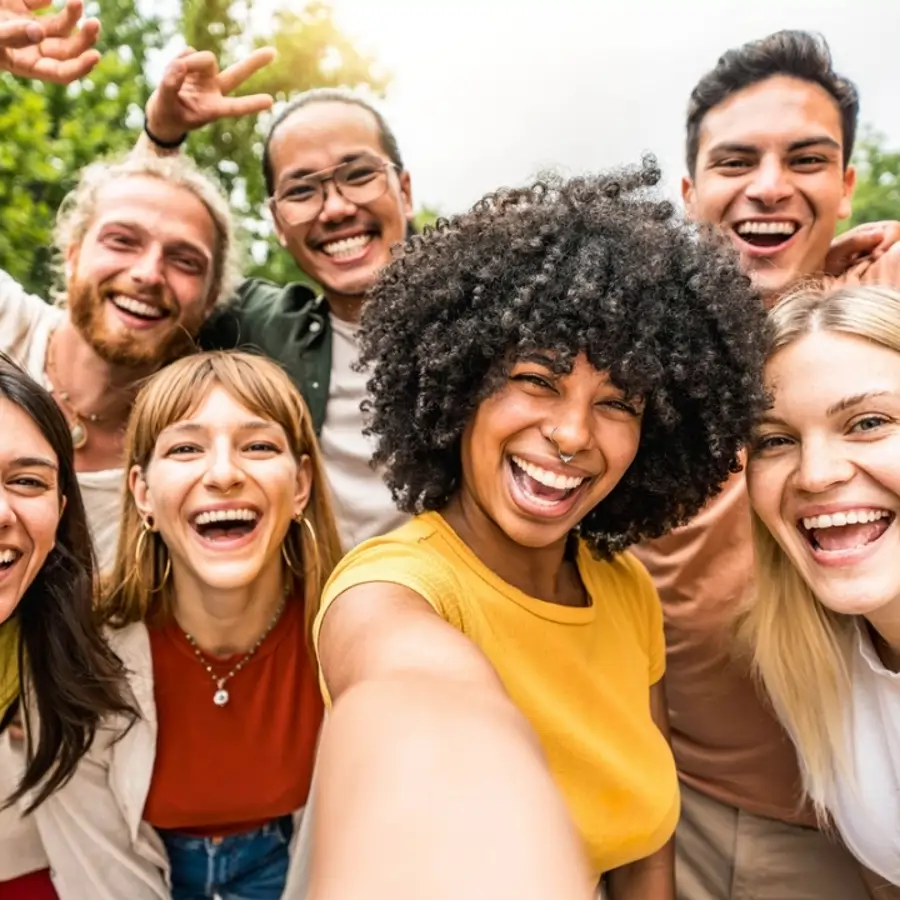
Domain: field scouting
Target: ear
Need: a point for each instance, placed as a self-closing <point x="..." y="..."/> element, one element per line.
<point x="846" y="206"/>
<point x="137" y="484"/>
<point x="304" y="485"/>
<point x="406" y="194"/>
<point x="71" y="261"/>
<point x="688" y="195"/>
<point x="276" y="221"/>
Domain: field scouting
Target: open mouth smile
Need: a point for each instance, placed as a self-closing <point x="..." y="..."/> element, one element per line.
<point x="220" y="527"/>
<point x="138" y="309"/>
<point x="842" y="535"/>
<point x="765" y="237"/>
<point x="8" y="558"/>
<point x="541" y="492"/>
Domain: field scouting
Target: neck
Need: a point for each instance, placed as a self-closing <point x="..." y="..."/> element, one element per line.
<point x="226" y="621"/>
<point x="539" y="572"/>
<point x="347" y="307"/>
<point x="93" y="384"/>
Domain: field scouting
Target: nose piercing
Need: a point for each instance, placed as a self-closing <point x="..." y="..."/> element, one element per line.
<point x="564" y="458"/>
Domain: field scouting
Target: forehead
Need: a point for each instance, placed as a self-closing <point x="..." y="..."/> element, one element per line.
<point x="826" y="366"/>
<point x="320" y="135"/>
<point x="29" y="439"/>
<point x="167" y="212"/>
<point x="222" y="410"/>
<point x="773" y="113"/>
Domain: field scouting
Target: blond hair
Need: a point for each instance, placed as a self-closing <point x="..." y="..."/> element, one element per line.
<point x="138" y="587"/>
<point x="800" y="648"/>
<point x="79" y="207"/>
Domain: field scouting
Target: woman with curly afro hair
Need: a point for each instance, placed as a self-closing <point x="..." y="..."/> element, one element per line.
<point x="558" y="373"/>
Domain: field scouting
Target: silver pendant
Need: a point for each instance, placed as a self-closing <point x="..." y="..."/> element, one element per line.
<point x="220" y="697"/>
<point x="79" y="434"/>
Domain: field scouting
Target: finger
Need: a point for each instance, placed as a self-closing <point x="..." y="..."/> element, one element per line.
<point x="238" y="73"/>
<point x="245" y="106"/>
<point x="20" y="33"/>
<point x="65" y="71"/>
<point x="201" y="63"/>
<point x="63" y="23"/>
<point x="35" y="5"/>
<point x="172" y="80"/>
<point x="69" y="47"/>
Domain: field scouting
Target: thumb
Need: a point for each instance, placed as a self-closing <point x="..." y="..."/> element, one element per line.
<point x="849" y="247"/>
<point x="20" y="33"/>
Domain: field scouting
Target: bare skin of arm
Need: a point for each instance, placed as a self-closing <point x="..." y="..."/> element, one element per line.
<point x="653" y="877"/>
<point x="193" y="92"/>
<point x="429" y="782"/>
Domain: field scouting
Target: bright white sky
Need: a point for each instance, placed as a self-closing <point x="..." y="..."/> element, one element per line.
<point x="487" y="92"/>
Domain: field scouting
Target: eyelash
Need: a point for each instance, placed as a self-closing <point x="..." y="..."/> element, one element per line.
<point x="538" y="381"/>
<point x="25" y="481"/>
<point x="878" y="420"/>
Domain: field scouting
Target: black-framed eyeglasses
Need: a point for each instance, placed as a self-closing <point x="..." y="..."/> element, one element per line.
<point x="360" y="180"/>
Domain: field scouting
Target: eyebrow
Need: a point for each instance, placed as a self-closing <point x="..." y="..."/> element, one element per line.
<point x="346" y="158"/>
<point x="194" y="427"/>
<point x="30" y="462"/>
<point x="855" y="400"/>
<point x="736" y="147"/>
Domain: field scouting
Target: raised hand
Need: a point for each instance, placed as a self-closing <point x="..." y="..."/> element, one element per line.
<point x="46" y="47"/>
<point x="193" y="93"/>
<point x="861" y="246"/>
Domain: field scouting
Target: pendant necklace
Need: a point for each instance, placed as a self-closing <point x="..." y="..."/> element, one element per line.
<point x="221" y="696"/>
<point x="77" y="421"/>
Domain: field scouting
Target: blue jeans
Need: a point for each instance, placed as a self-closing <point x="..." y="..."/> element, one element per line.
<point x="248" y="866"/>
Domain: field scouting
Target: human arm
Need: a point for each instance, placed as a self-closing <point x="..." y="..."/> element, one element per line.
<point x="653" y="877"/>
<point x="193" y="92"/>
<point x="48" y="48"/>
<point x="429" y="780"/>
<point x="861" y="246"/>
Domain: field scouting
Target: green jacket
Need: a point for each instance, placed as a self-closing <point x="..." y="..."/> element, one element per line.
<point x="289" y="324"/>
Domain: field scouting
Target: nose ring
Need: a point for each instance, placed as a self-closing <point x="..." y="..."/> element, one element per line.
<point x="564" y="458"/>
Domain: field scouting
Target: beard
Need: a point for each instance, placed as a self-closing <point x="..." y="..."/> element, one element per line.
<point x="131" y="349"/>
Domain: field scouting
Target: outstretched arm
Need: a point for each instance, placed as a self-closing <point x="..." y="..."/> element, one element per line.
<point x="49" y="48"/>
<point x="430" y="783"/>
<point x="193" y="93"/>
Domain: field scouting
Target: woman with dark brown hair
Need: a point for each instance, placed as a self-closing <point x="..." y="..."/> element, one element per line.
<point x="57" y="675"/>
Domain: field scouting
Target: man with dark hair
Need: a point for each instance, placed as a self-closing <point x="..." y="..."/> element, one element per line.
<point x="340" y="198"/>
<point x="770" y="134"/>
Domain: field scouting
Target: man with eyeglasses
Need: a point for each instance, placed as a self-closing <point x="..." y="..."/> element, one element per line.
<point x="340" y="199"/>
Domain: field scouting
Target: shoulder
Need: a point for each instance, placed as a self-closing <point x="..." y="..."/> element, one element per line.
<point x="20" y="314"/>
<point x="622" y="587"/>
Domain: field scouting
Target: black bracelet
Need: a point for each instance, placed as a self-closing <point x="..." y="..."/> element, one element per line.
<point x="165" y="145"/>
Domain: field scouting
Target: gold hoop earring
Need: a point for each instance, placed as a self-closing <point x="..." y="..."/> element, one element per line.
<point x="147" y="529"/>
<point x="304" y="520"/>
<point x="297" y="567"/>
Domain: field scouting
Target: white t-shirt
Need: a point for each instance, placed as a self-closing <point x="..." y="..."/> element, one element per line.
<point x="866" y="809"/>
<point x="26" y="323"/>
<point x="362" y="502"/>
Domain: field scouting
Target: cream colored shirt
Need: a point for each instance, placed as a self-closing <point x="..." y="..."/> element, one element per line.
<point x="362" y="502"/>
<point x="26" y="323"/>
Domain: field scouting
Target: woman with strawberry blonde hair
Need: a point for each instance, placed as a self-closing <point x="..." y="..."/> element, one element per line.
<point x="227" y="540"/>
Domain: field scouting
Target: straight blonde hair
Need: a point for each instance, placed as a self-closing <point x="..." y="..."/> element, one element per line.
<point x="139" y="590"/>
<point x="801" y="649"/>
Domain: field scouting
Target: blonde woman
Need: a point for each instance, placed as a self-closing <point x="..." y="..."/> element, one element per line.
<point x="824" y="480"/>
<point x="227" y="539"/>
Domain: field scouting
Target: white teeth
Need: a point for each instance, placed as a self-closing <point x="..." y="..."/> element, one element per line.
<point x="225" y="515"/>
<point x="787" y="228"/>
<point x="347" y="246"/>
<point x="8" y="557"/>
<point x="129" y="304"/>
<point x="548" y="479"/>
<point x="851" y="517"/>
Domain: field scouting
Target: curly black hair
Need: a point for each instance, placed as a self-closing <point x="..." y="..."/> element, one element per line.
<point x="599" y="265"/>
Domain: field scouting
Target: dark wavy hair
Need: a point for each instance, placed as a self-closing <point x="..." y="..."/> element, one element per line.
<point x="68" y="674"/>
<point x="598" y="265"/>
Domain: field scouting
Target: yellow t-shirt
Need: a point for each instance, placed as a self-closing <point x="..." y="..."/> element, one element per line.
<point x="9" y="663"/>
<point x="581" y="676"/>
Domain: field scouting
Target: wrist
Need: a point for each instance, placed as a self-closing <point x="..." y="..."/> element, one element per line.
<point x="167" y="140"/>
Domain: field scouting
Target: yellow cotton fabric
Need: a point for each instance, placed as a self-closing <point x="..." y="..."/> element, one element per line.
<point x="9" y="664"/>
<point x="582" y="676"/>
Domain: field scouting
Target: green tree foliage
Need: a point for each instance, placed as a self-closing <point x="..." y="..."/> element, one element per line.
<point x="48" y="133"/>
<point x="877" y="194"/>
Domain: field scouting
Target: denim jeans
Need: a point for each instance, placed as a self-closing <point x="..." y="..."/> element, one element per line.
<point x="248" y="866"/>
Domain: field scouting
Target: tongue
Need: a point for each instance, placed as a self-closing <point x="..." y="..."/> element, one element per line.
<point x="542" y="490"/>
<point x="226" y="532"/>
<point x="847" y="537"/>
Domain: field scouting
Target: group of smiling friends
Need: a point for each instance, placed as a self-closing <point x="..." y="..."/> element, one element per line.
<point x="546" y="553"/>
